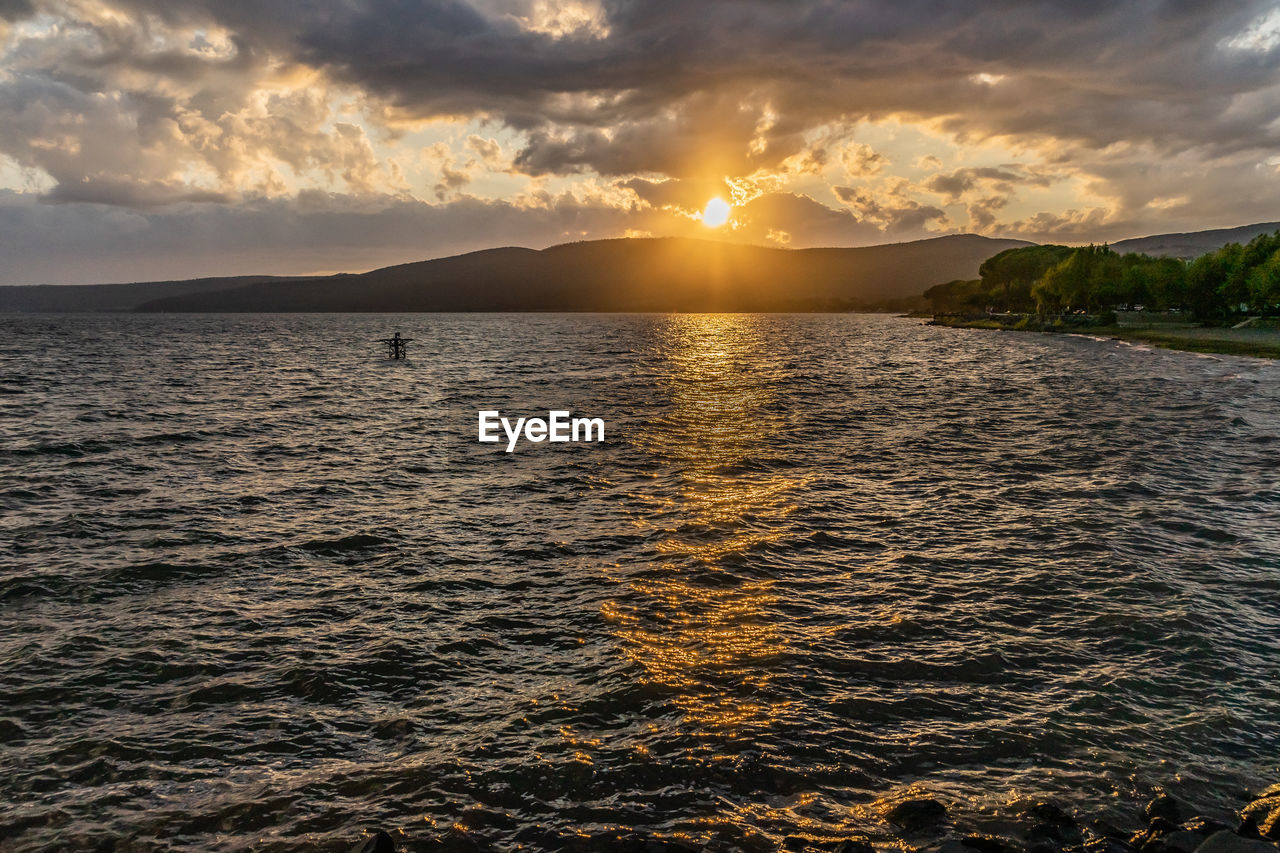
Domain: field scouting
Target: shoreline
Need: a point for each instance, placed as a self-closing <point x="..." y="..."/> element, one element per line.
<point x="1254" y="343"/>
<point x="923" y="823"/>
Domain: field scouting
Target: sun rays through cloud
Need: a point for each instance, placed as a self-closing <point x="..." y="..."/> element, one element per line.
<point x="827" y="124"/>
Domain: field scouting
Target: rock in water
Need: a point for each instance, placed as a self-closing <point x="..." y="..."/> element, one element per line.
<point x="1164" y="806"/>
<point x="1106" y="844"/>
<point x="1149" y="837"/>
<point x="1205" y="826"/>
<point x="379" y="842"/>
<point x="1044" y="832"/>
<point x="987" y="844"/>
<point x="1228" y="842"/>
<point x="1181" y="841"/>
<point x="1263" y="814"/>
<point x="853" y="845"/>
<point x="1046" y="812"/>
<point x="917" y="814"/>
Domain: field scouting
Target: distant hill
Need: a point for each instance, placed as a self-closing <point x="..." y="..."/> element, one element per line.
<point x="657" y="274"/>
<point x="55" y="298"/>
<point x="653" y="274"/>
<point x="1195" y="243"/>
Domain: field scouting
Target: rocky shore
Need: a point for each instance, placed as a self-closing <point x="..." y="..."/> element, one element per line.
<point x="1261" y="342"/>
<point x="924" y="824"/>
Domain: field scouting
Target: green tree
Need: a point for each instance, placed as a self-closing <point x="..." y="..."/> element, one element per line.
<point x="1136" y="283"/>
<point x="1086" y="279"/>
<point x="1166" y="283"/>
<point x="1105" y="288"/>
<point x="1207" y="279"/>
<point x="1264" y="285"/>
<point x="1233" y="291"/>
<point x="961" y="295"/>
<point x="1063" y="285"/>
<point x="1010" y="275"/>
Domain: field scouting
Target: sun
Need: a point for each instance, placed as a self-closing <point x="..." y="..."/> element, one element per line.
<point x="716" y="213"/>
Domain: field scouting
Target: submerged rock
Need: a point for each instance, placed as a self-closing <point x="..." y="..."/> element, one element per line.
<point x="853" y="845"/>
<point x="1047" y="812"/>
<point x="1106" y="829"/>
<point x="917" y="813"/>
<point x="1226" y="841"/>
<point x="1146" y="839"/>
<point x="1042" y="832"/>
<point x="1263" y="814"/>
<point x="1205" y="826"/>
<point x="987" y="844"/>
<point x="1163" y="806"/>
<point x="950" y="845"/>
<point x="1180" y="841"/>
<point x="379" y="842"/>
<point x="397" y="729"/>
<point x="1107" y="844"/>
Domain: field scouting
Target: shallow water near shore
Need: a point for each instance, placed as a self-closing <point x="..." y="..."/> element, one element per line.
<point x="261" y="587"/>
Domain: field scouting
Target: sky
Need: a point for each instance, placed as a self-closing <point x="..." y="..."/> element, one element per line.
<point x="152" y="139"/>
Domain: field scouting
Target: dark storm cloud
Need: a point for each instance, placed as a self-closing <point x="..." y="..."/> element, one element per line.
<point x="708" y="135"/>
<point x="1167" y="114"/>
<point x="957" y="183"/>
<point x="1095" y="72"/>
<point x="13" y="10"/>
<point x="136" y="194"/>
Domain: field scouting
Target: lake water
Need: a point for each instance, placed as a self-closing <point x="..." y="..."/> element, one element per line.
<point x="260" y="586"/>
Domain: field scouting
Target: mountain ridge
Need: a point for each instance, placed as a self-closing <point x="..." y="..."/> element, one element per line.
<point x="623" y="274"/>
<point x="1191" y="244"/>
<point x="615" y="274"/>
<point x="115" y="297"/>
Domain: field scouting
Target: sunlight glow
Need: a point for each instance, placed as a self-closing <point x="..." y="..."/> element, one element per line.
<point x="716" y="213"/>
<point x="688" y="620"/>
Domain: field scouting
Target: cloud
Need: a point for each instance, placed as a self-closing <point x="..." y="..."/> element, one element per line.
<point x="488" y="150"/>
<point x="698" y="135"/>
<point x="892" y="210"/>
<point x="676" y="74"/>
<point x="861" y="161"/>
<point x="105" y="99"/>
<point x="135" y="194"/>
<point x="1005" y="178"/>
<point x="804" y="221"/>
<point x="1101" y="113"/>
<point x="1070" y="226"/>
<point x="1097" y="74"/>
<point x="15" y="10"/>
<point x="983" y="211"/>
<point x="91" y="243"/>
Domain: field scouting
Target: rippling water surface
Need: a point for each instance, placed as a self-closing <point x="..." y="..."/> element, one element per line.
<point x="260" y="587"/>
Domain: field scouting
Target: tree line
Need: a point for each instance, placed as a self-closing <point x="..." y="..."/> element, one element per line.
<point x="1218" y="285"/>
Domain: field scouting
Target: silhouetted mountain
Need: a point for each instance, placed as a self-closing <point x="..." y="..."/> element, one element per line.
<point x="662" y="274"/>
<point x="1193" y="244"/>
<point x="54" y="298"/>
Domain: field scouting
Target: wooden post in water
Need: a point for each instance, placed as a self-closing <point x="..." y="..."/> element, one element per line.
<point x="396" y="346"/>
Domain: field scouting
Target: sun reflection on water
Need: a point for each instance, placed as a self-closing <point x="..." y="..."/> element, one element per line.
<point x="698" y="620"/>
